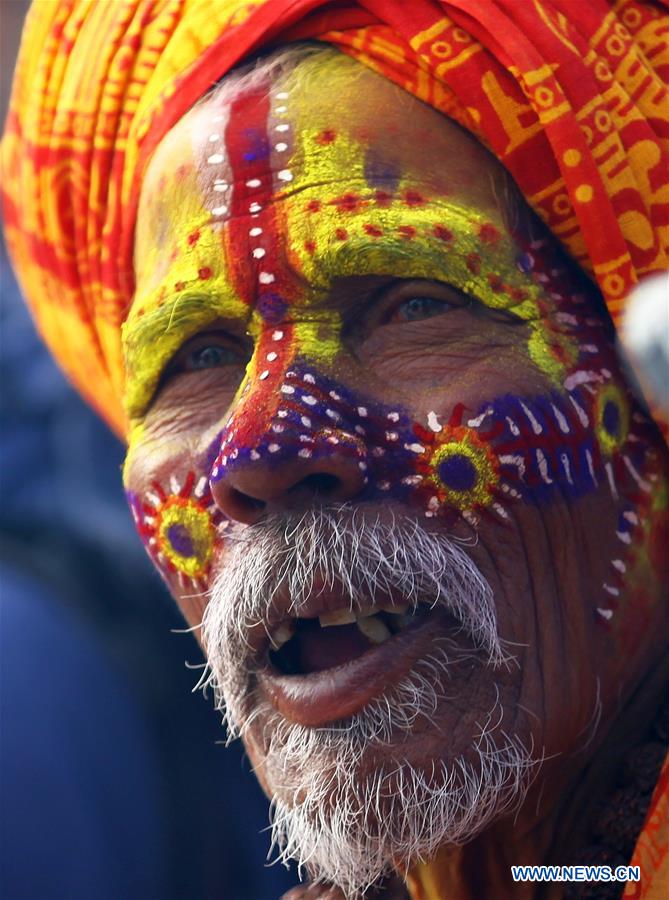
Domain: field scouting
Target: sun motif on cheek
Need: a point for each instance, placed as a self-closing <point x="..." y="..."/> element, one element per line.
<point x="179" y="528"/>
<point x="462" y="468"/>
<point x="612" y="418"/>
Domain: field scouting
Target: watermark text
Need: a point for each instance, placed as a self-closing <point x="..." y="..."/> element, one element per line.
<point x="575" y="873"/>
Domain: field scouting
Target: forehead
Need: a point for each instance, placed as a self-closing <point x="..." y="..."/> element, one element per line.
<point x="277" y="185"/>
<point x="322" y="121"/>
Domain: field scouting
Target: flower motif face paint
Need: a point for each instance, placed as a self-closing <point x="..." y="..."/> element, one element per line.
<point x="179" y="527"/>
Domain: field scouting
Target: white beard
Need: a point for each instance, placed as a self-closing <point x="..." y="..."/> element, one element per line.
<point x="351" y="831"/>
<point x="346" y="828"/>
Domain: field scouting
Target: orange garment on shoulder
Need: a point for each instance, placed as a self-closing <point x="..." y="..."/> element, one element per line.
<point x="651" y="853"/>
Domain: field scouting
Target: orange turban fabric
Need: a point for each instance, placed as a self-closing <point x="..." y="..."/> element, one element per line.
<point x="570" y="96"/>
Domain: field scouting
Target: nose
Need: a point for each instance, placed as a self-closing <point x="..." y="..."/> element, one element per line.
<point x="257" y="487"/>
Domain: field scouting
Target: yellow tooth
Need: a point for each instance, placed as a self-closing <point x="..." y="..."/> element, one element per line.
<point x="395" y="610"/>
<point x="283" y="633"/>
<point x="374" y="630"/>
<point x="337" y="617"/>
<point x="365" y="611"/>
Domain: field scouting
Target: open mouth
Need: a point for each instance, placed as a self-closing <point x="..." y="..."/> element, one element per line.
<point x="324" y="668"/>
<point x="306" y="645"/>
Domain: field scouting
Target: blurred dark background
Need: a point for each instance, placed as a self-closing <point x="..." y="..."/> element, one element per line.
<point x="113" y="783"/>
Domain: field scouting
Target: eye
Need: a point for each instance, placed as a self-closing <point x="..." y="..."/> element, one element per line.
<point x="414" y="308"/>
<point x="419" y="299"/>
<point x="209" y="357"/>
<point x="206" y="351"/>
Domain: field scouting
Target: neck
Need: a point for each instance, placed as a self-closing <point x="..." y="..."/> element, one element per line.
<point x="551" y="827"/>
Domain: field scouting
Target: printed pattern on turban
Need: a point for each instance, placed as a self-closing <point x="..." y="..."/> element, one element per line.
<point x="576" y="107"/>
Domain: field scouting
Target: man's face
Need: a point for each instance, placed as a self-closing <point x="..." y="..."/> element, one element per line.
<point x="382" y="444"/>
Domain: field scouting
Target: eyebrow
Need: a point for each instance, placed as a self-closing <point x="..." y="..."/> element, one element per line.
<point x="151" y="339"/>
<point x="462" y="246"/>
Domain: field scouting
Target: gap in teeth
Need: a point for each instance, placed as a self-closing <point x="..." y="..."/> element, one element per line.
<point x="369" y="622"/>
<point x="365" y="617"/>
<point x="346" y="616"/>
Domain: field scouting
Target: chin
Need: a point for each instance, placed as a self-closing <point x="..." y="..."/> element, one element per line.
<point x="351" y="809"/>
<point x="412" y="770"/>
<point x="371" y="689"/>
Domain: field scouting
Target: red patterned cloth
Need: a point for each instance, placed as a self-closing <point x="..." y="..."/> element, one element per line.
<point x="651" y="853"/>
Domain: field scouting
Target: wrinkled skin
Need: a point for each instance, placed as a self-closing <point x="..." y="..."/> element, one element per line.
<point x="582" y="651"/>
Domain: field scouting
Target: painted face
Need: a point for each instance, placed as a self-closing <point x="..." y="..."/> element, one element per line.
<point x="343" y="306"/>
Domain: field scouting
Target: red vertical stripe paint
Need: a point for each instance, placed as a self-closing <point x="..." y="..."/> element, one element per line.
<point x="252" y="228"/>
<point x="255" y="256"/>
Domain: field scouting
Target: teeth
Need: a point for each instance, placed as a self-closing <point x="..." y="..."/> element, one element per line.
<point x="395" y="610"/>
<point x="283" y="634"/>
<point x="374" y="629"/>
<point x="363" y="611"/>
<point x="337" y="617"/>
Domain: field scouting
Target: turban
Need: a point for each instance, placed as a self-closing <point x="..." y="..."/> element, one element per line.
<point x="570" y="95"/>
<point x="575" y="106"/>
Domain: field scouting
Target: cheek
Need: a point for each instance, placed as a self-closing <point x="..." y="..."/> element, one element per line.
<point x="176" y="517"/>
<point x="482" y="462"/>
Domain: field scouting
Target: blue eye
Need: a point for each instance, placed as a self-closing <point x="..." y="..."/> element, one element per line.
<point x="416" y="308"/>
<point x="211" y="356"/>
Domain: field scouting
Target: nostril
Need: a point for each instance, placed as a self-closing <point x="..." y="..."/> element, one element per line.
<point x="320" y="483"/>
<point x="246" y="501"/>
<point x="251" y="492"/>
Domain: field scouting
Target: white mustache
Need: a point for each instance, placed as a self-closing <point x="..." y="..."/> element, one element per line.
<point x="345" y="828"/>
<point x="364" y="557"/>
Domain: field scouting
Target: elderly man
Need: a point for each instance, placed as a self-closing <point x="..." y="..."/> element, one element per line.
<point x="381" y="446"/>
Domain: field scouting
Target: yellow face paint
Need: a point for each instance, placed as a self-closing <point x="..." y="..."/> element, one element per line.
<point x="463" y="469"/>
<point x="261" y="236"/>
<point x="612" y="418"/>
<point x="183" y="281"/>
<point x="186" y="533"/>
